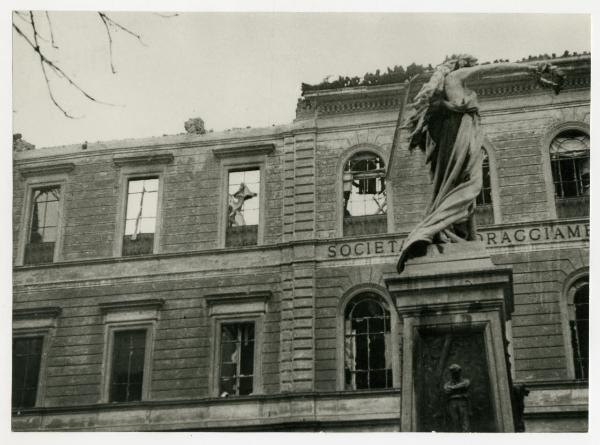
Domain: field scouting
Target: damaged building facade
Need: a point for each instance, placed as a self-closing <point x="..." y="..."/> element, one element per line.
<point x="237" y="280"/>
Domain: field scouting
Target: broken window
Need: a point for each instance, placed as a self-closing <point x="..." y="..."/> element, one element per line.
<point x="365" y="201"/>
<point x="570" y="159"/>
<point x="237" y="359"/>
<point x="43" y="225"/>
<point x="127" y="374"/>
<point x="140" y="219"/>
<point x="483" y="209"/>
<point x="243" y="207"/>
<point x="579" y="324"/>
<point x="368" y="346"/>
<point x="27" y="356"/>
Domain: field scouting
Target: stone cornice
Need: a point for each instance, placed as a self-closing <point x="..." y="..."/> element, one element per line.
<point x="143" y="159"/>
<point x="132" y="305"/>
<point x="28" y="171"/>
<point x="42" y="312"/>
<point x="366" y="99"/>
<point x="238" y="297"/>
<point x="243" y="150"/>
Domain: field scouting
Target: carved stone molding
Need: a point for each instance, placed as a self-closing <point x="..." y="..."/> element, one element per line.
<point x="41" y="312"/>
<point x="143" y="159"/>
<point x="237" y="302"/>
<point x="28" y="171"/>
<point x="243" y="150"/>
<point x="132" y="305"/>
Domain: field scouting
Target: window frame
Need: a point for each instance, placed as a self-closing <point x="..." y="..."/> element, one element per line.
<point x="242" y="163"/>
<point x="39" y="322"/>
<point x="219" y="321"/>
<point x="490" y="150"/>
<point x="232" y="308"/>
<point x="128" y="316"/>
<point x="343" y="160"/>
<point x="570" y="287"/>
<point x="133" y="172"/>
<point x="31" y="184"/>
<point x="395" y="335"/>
<point x="546" y="141"/>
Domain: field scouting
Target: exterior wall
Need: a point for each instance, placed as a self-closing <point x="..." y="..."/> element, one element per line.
<point x="304" y="265"/>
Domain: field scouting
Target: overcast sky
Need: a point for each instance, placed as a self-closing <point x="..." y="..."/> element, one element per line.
<point x="244" y="69"/>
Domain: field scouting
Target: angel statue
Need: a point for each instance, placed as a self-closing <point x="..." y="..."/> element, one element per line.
<point x="444" y="122"/>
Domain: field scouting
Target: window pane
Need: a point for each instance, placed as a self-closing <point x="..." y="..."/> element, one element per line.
<point x="237" y="358"/>
<point x="151" y="185"/>
<point x="49" y="235"/>
<point x="147" y="225"/>
<point x="377" y="351"/>
<point x="135" y="186"/>
<point x="128" y="365"/>
<point x="150" y="203"/>
<point x="245" y="386"/>
<point x="27" y="355"/>
<point x="243" y="207"/>
<point x="367" y="345"/>
<point x="51" y="217"/>
<point x="133" y="205"/>
<point x="129" y="226"/>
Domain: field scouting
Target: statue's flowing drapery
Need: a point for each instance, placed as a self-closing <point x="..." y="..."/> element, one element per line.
<point x="452" y="144"/>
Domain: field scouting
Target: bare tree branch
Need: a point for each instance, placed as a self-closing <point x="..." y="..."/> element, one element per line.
<point x="167" y="16"/>
<point x="46" y="63"/>
<point x="110" y="21"/>
<point x="110" y="53"/>
<point x="51" y="31"/>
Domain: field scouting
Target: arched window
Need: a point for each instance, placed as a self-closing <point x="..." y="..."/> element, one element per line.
<point x="365" y="201"/>
<point x="579" y="326"/>
<point x="367" y="343"/>
<point x="484" y="212"/>
<point x="570" y="161"/>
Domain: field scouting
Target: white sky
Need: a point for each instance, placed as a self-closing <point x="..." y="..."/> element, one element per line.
<point x="244" y="69"/>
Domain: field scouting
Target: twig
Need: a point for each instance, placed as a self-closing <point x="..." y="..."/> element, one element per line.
<point x="110" y="53"/>
<point x="118" y="25"/>
<point x="51" y="32"/>
<point x="46" y="63"/>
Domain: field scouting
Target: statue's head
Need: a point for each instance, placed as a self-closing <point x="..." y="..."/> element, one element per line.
<point x="456" y="61"/>
<point x="455" y="369"/>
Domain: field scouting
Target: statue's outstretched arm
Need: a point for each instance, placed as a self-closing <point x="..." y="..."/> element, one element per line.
<point x="537" y="70"/>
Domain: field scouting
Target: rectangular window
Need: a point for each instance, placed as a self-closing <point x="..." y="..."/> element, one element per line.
<point x="127" y="376"/>
<point x="140" y="216"/>
<point x="243" y="208"/>
<point x="43" y="226"/>
<point x="27" y="356"/>
<point x="237" y="359"/>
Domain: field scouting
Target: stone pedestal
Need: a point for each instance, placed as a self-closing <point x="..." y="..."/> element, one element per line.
<point x="453" y="305"/>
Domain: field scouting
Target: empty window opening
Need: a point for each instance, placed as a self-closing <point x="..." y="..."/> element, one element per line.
<point x="43" y="225"/>
<point x="243" y="207"/>
<point x="140" y="219"/>
<point x="579" y="324"/>
<point x="367" y="348"/>
<point x="27" y="356"/>
<point x="484" y="211"/>
<point x="570" y="160"/>
<point x="127" y="374"/>
<point x="365" y="199"/>
<point x="237" y="359"/>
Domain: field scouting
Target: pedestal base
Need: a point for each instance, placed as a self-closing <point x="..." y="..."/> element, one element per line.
<point x="454" y="303"/>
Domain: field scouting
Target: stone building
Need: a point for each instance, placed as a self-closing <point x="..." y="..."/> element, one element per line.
<point x="237" y="280"/>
